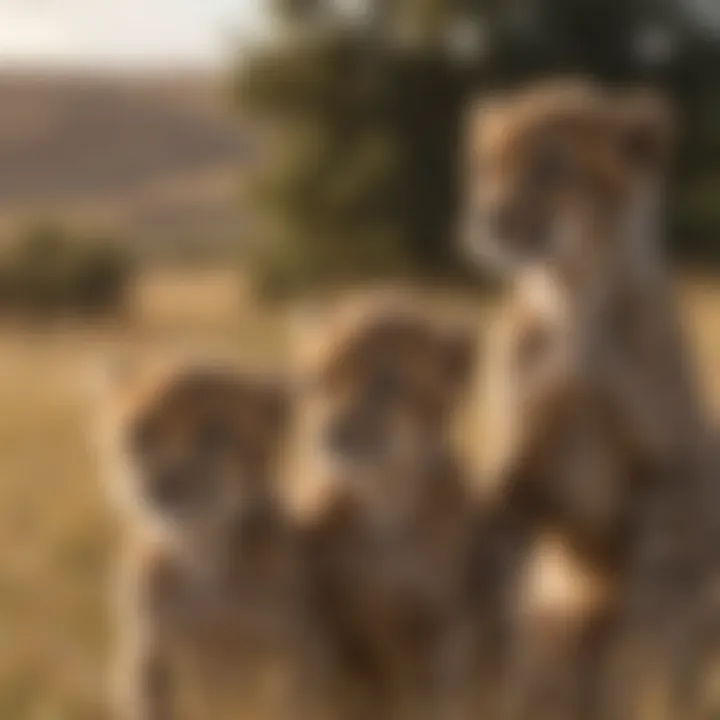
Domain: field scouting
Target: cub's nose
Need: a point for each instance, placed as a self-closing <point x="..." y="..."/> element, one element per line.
<point x="356" y="435"/>
<point x="170" y="487"/>
<point x="502" y="220"/>
<point x="340" y="437"/>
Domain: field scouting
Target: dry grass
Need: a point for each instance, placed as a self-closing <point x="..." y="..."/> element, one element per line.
<point x="56" y="535"/>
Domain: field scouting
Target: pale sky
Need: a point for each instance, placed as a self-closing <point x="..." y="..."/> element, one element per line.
<point x="111" y="33"/>
<point x="98" y="33"/>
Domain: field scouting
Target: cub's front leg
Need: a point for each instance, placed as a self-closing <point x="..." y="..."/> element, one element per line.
<point x="141" y="673"/>
<point x="632" y="369"/>
<point x="531" y="380"/>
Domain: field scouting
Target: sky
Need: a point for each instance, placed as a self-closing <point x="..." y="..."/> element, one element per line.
<point x="110" y="33"/>
<point x="102" y="33"/>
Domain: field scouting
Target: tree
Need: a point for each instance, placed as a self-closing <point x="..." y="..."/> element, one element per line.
<point x="358" y="107"/>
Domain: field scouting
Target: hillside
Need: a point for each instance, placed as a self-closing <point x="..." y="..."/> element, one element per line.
<point x="155" y="158"/>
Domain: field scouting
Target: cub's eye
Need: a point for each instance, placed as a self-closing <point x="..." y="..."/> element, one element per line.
<point x="551" y="166"/>
<point x="143" y="439"/>
<point x="387" y="382"/>
<point x="214" y="435"/>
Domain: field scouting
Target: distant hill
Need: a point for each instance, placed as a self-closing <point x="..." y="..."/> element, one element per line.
<point x="155" y="158"/>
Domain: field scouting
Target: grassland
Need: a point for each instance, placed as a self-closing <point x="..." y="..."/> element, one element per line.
<point x="154" y="159"/>
<point x="56" y="534"/>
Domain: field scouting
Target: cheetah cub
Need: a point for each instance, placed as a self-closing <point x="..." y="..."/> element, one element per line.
<point x="592" y="399"/>
<point x="565" y="194"/>
<point x="391" y="539"/>
<point x="209" y="595"/>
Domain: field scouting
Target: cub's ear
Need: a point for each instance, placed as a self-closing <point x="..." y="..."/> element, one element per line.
<point x="478" y="118"/>
<point x="648" y="129"/>
<point x="460" y="352"/>
<point x="481" y="108"/>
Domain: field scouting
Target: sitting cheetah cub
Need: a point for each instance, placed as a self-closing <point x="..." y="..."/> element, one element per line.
<point x="390" y="542"/>
<point x="209" y="596"/>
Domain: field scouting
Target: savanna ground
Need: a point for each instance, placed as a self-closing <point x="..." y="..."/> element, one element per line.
<point x="56" y="533"/>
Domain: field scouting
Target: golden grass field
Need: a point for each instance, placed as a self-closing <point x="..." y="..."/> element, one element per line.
<point x="56" y="533"/>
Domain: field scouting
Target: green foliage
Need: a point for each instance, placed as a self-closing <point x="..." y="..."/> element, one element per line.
<point x="359" y="120"/>
<point x="328" y="187"/>
<point x="47" y="271"/>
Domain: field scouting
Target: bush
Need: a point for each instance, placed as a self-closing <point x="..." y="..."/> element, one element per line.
<point x="50" y="272"/>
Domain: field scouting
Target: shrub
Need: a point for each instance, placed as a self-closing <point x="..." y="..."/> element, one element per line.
<point x="48" y="271"/>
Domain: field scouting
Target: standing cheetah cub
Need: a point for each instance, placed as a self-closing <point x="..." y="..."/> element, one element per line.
<point x="210" y="593"/>
<point x="390" y="542"/>
<point x="598" y="424"/>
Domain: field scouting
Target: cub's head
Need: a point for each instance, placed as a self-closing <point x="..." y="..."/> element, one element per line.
<point x="384" y="383"/>
<point x="197" y="443"/>
<point x="562" y="169"/>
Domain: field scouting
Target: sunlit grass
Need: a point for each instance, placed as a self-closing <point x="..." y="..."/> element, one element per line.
<point x="56" y="534"/>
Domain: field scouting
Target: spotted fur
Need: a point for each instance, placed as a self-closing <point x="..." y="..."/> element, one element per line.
<point x="210" y="595"/>
<point x="392" y="537"/>
<point x="594" y="410"/>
